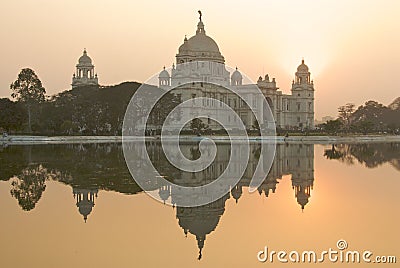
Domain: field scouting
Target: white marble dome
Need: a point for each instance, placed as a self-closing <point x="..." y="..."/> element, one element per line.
<point x="303" y="68"/>
<point x="236" y="75"/>
<point x="85" y="59"/>
<point x="164" y="74"/>
<point x="200" y="43"/>
<point x="236" y="78"/>
<point x="199" y="47"/>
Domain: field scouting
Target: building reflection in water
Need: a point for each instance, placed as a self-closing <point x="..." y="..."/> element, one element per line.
<point x="85" y="200"/>
<point x="89" y="168"/>
<point x="201" y="221"/>
<point x="290" y="159"/>
<point x="296" y="160"/>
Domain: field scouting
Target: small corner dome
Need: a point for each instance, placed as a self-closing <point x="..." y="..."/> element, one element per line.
<point x="302" y="67"/>
<point x="85" y="59"/>
<point x="236" y="75"/>
<point x="164" y="74"/>
<point x="184" y="46"/>
<point x="85" y="208"/>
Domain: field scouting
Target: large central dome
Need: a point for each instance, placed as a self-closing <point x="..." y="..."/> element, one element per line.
<point x="199" y="47"/>
<point x="200" y="43"/>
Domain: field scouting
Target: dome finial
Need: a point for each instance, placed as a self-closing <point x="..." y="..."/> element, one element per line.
<point x="200" y="25"/>
<point x="302" y="60"/>
<point x="200" y="244"/>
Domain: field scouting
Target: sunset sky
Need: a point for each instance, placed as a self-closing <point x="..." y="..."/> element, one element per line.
<point x="351" y="47"/>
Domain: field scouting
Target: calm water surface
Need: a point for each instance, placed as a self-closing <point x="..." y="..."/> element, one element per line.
<point x="77" y="206"/>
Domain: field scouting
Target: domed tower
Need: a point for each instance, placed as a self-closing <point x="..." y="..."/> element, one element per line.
<point x="164" y="192"/>
<point x="302" y="189"/>
<point x="164" y="79"/>
<point x="85" y="74"/>
<point x="300" y="163"/>
<point x="201" y="221"/>
<point x="268" y="185"/>
<point x="85" y="201"/>
<point x="236" y="78"/>
<point x="236" y="192"/>
<point x="303" y="95"/>
<point x="200" y="60"/>
<point x="199" y="47"/>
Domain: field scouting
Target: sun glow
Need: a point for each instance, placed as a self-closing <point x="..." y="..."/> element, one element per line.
<point x="337" y="39"/>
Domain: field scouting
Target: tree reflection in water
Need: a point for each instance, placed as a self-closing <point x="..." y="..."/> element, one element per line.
<point x="371" y="155"/>
<point x="91" y="168"/>
<point x="28" y="187"/>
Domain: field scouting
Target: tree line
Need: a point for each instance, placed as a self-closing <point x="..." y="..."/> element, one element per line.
<point x="86" y="110"/>
<point x="372" y="117"/>
<point x="100" y="110"/>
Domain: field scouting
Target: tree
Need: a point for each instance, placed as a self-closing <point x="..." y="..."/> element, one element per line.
<point x="163" y="108"/>
<point x="11" y="115"/>
<point x="67" y="127"/>
<point x="345" y="113"/>
<point x="376" y="114"/>
<point x="198" y="126"/>
<point x="332" y="126"/>
<point x="28" y="90"/>
<point x="366" y="126"/>
<point x="333" y="153"/>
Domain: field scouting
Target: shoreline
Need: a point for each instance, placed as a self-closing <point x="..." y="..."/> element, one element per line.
<point x="28" y="140"/>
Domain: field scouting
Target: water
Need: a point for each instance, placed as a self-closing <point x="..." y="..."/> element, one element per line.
<point x="77" y="205"/>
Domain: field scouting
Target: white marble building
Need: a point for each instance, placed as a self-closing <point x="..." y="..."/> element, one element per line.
<point x="200" y="60"/>
<point x="84" y="75"/>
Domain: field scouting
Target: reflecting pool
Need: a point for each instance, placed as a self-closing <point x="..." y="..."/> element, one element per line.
<point x="77" y="205"/>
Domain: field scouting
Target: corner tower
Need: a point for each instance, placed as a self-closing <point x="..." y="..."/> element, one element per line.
<point x="85" y="75"/>
<point x="303" y="96"/>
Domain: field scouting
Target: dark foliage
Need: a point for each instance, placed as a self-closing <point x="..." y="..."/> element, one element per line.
<point x="372" y="117"/>
<point x="89" y="110"/>
<point x="371" y="155"/>
<point x="29" y="91"/>
<point x="12" y="116"/>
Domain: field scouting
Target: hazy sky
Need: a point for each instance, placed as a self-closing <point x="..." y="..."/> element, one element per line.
<point x="351" y="47"/>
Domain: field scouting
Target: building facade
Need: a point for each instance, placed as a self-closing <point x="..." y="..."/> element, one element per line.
<point x="200" y="64"/>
